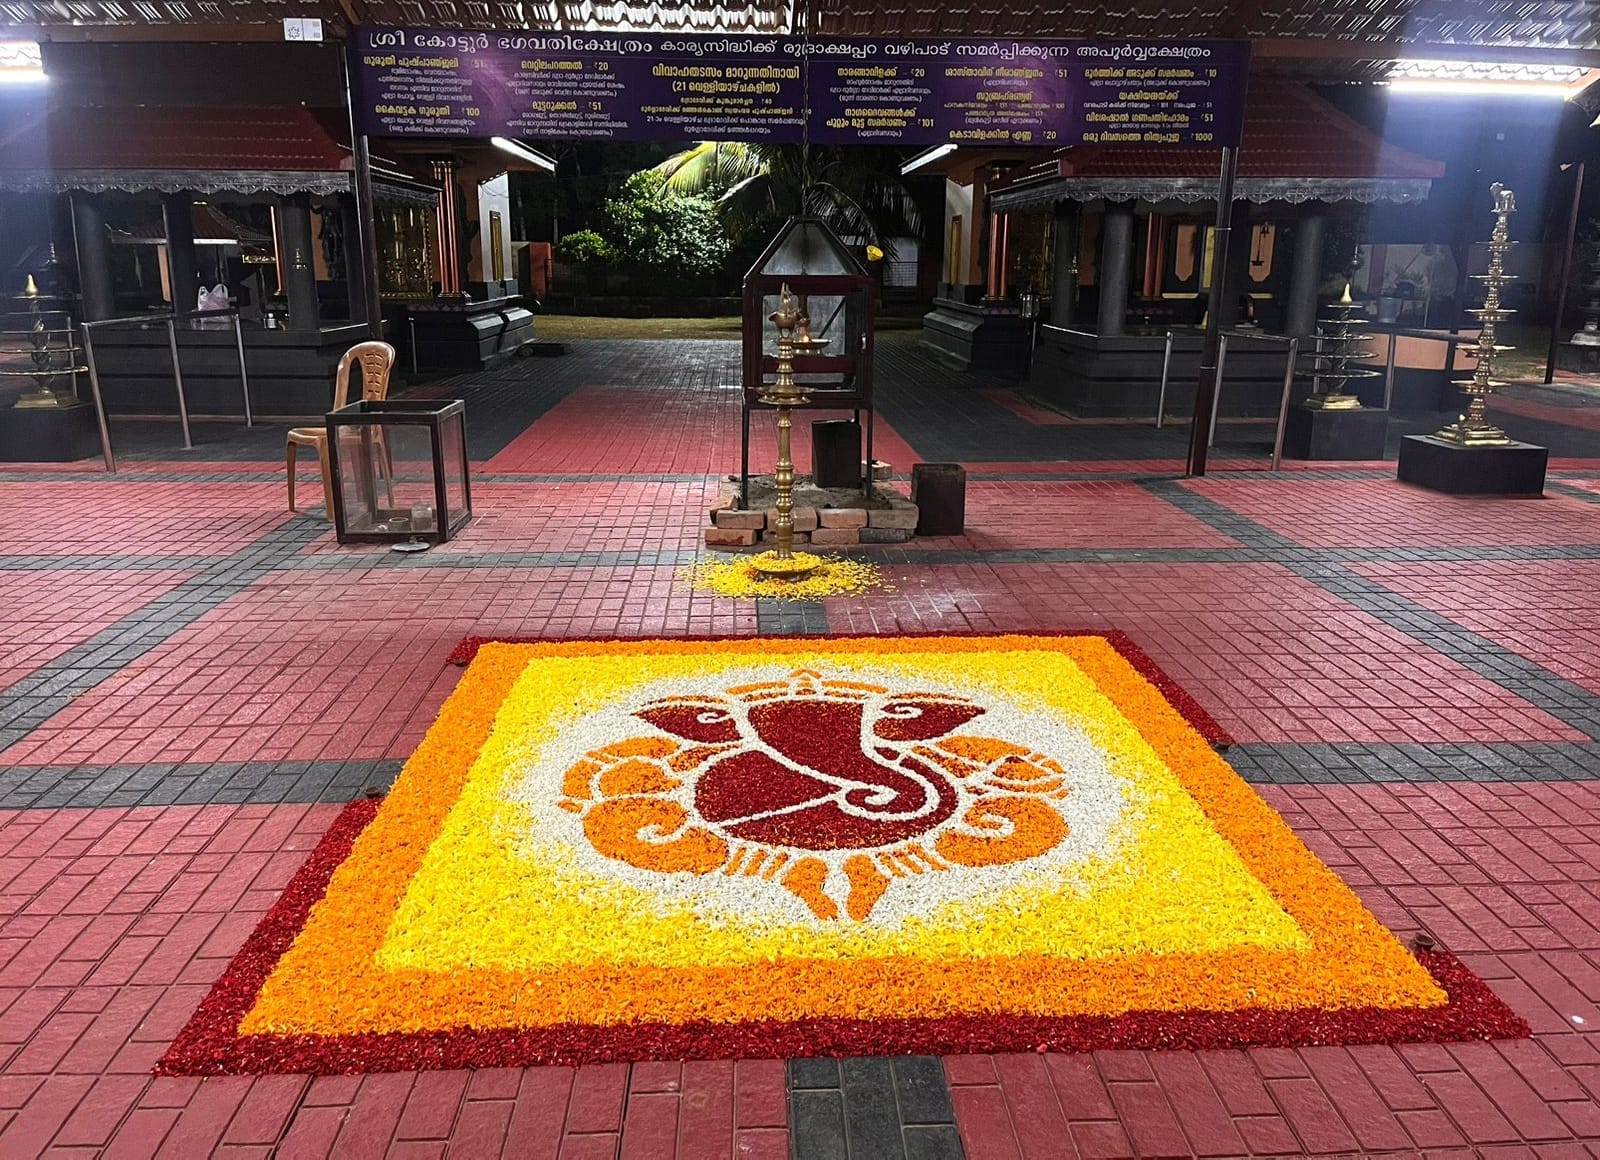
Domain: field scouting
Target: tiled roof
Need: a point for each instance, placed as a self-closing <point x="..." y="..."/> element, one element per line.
<point x="286" y="139"/>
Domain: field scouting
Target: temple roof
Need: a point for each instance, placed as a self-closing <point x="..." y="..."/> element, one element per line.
<point x="204" y="149"/>
<point x="1295" y="147"/>
<point x="1345" y="39"/>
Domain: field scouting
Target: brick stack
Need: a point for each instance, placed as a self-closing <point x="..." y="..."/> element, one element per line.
<point x="834" y="518"/>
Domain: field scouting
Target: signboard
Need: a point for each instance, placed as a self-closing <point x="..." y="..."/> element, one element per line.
<point x="444" y="83"/>
<point x="1011" y="92"/>
<point x="417" y="82"/>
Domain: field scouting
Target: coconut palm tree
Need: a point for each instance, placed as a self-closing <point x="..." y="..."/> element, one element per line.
<point x="856" y="189"/>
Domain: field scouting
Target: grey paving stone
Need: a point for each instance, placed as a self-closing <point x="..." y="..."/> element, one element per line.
<point x="933" y="1142"/>
<point x="871" y="1112"/>
<point x="922" y="1090"/>
<point x="817" y="1125"/>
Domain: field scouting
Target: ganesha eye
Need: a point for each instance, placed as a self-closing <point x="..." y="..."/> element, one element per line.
<point x="902" y="712"/>
<point x="711" y="716"/>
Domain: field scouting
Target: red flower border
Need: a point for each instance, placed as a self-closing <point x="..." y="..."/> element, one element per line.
<point x="210" y="1044"/>
<point x="1175" y="694"/>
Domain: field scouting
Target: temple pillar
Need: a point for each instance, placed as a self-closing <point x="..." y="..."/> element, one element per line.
<point x="1116" y="254"/>
<point x="1305" y="275"/>
<point x="444" y="172"/>
<point x="94" y="257"/>
<point x="355" y="268"/>
<point x="300" y="281"/>
<point x="177" y="216"/>
<point x="1064" y="272"/>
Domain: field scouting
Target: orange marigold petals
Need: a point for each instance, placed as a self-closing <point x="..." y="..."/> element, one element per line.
<point x="805" y="880"/>
<point x="1033" y="828"/>
<point x="636" y="776"/>
<point x="614" y="828"/>
<point x="866" y="886"/>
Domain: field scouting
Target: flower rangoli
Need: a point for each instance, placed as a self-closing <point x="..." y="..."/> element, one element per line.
<point x="831" y="788"/>
<point x="711" y="848"/>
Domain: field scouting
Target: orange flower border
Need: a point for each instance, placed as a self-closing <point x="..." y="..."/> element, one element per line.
<point x="211" y="1043"/>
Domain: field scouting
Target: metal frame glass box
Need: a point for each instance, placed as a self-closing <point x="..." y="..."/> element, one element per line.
<point x="838" y="297"/>
<point x="399" y="470"/>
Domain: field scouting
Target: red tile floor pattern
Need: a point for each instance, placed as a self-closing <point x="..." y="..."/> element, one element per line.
<point x="667" y="429"/>
<point x="312" y="664"/>
<point x="584" y="516"/>
<point x="204" y="518"/>
<point x="49" y="611"/>
<point x="1051" y="514"/>
<point x="1344" y="513"/>
<point x="1496" y="872"/>
<point x="1268" y="654"/>
<point x="1542" y="609"/>
<point x="113" y="923"/>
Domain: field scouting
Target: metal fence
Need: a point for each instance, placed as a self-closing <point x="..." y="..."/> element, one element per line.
<point x="170" y="320"/>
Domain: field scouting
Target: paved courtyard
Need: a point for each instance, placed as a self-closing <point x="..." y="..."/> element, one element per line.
<point x="193" y="679"/>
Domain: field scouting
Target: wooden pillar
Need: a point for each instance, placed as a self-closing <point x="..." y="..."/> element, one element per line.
<point x="1116" y="252"/>
<point x="94" y="257"/>
<point x="177" y="216"/>
<point x="1305" y="275"/>
<point x="1064" y="272"/>
<point x="300" y="280"/>
<point x="444" y="172"/>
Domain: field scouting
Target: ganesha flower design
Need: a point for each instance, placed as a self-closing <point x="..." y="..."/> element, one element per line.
<point x="829" y="788"/>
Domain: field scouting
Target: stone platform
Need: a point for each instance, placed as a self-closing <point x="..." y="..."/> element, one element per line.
<point x="835" y="517"/>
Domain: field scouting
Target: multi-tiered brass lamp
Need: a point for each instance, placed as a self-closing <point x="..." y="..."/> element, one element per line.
<point x="1472" y="428"/>
<point x="794" y="336"/>
<point x="1337" y="356"/>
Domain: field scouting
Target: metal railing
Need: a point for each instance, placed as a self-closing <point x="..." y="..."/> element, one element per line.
<point x="1293" y="343"/>
<point x="1451" y="340"/>
<point x="170" y="320"/>
<point x="1166" y="367"/>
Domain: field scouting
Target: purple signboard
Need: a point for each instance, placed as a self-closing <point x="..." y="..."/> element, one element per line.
<point x="412" y="82"/>
<point x="418" y="82"/>
<point x="1010" y="92"/>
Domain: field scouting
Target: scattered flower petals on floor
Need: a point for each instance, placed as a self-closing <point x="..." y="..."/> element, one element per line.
<point x="710" y="848"/>
<point x="740" y="579"/>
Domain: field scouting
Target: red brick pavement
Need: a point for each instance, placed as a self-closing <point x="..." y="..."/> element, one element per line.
<point x="48" y="611"/>
<point x="1343" y="513"/>
<point x="1052" y="514"/>
<point x="597" y="516"/>
<point x="335" y="665"/>
<point x="1543" y="609"/>
<point x="196" y="519"/>
<point x="113" y="923"/>
<point x="1493" y="873"/>
<point x="637" y="430"/>
<point x="1271" y="656"/>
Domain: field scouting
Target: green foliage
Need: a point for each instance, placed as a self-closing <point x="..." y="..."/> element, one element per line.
<point x="673" y="236"/>
<point x="583" y="248"/>
<point x="856" y="189"/>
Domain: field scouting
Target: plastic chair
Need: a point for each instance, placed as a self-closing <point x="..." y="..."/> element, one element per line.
<point x="377" y="360"/>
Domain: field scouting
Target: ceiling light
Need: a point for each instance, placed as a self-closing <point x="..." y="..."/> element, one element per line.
<point x="522" y="152"/>
<point x="1489" y="78"/>
<point x="927" y="158"/>
<point x="21" y="63"/>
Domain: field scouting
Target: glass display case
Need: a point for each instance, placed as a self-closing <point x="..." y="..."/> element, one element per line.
<point x="399" y="471"/>
<point x="837" y="298"/>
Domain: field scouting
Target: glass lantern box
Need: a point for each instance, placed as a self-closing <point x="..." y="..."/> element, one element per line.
<point x="399" y="470"/>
